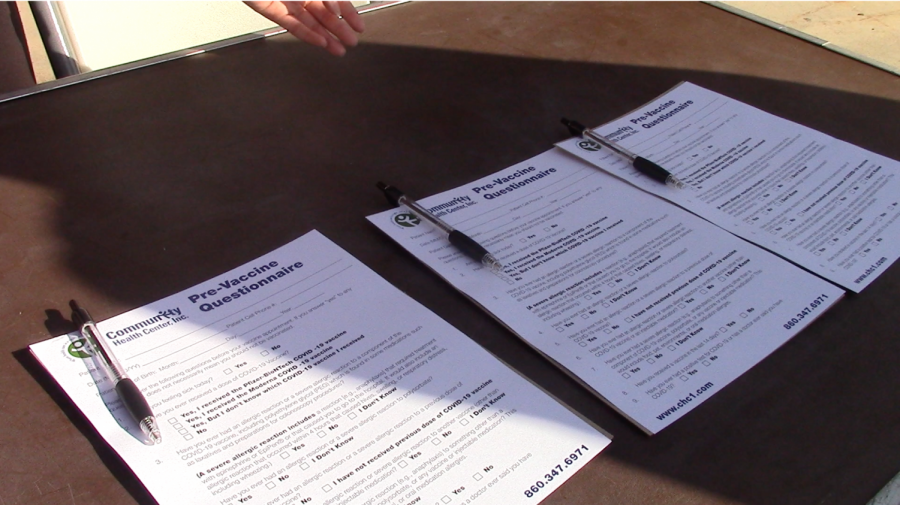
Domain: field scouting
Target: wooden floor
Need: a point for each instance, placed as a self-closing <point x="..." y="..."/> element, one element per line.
<point x="867" y="31"/>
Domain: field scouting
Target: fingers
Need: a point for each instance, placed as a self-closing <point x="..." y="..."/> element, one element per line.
<point x="336" y="24"/>
<point x="333" y="6"/>
<point x="351" y="17"/>
<point x="310" y="27"/>
<point x="281" y="14"/>
<point x="328" y="24"/>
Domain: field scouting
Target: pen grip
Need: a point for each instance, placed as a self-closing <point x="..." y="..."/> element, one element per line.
<point x="134" y="401"/>
<point x="650" y="169"/>
<point x="468" y="246"/>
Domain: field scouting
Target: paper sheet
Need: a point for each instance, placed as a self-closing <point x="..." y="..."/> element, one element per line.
<point x="829" y="206"/>
<point x="303" y="377"/>
<point x="652" y="307"/>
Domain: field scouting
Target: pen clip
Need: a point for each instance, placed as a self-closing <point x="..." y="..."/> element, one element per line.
<point x="575" y="128"/>
<point x="392" y="194"/>
<point x="80" y="316"/>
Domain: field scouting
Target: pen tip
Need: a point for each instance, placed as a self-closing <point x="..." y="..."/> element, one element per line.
<point x="151" y="430"/>
<point x="491" y="262"/>
<point x="675" y="182"/>
<point x="575" y="128"/>
<point x="392" y="194"/>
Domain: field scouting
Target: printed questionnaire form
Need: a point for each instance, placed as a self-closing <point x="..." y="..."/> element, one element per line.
<point x="829" y="206"/>
<point x="303" y="377"/>
<point x="651" y="307"/>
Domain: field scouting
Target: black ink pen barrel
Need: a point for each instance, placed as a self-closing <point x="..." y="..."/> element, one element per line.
<point x="651" y="170"/>
<point x="471" y="248"/>
<point x="132" y="398"/>
<point x="136" y="405"/>
<point x="459" y="239"/>
<point x="641" y="164"/>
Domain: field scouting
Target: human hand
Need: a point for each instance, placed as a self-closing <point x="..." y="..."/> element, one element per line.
<point x="328" y="24"/>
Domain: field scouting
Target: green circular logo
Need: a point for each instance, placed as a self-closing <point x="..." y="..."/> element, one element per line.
<point x="406" y="219"/>
<point x="79" y="349"/>
<point x="589" y="145"/>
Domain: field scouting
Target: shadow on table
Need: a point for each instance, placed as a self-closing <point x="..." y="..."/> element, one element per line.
<point x="171" y="175"/>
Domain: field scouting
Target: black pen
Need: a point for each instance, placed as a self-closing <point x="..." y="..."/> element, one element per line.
<point x="642" y="165"/>
<point x="457" y="238"/>
<point x="131" y="396"/>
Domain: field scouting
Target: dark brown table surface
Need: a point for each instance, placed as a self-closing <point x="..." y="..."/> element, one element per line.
<point x="128" y="188"/>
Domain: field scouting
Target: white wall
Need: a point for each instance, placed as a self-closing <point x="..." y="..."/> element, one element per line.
<point x="110" y="33"/>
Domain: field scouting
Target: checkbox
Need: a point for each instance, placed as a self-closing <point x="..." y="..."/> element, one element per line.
<point x="706" y="363"/>
<point x="351" y="415"/>
<point x="684" y="378"/>
<point x="703" y="291"/>
<point x="173" y="420"/>
<point x="264" y="353"/>
<point x="585" y="316"/>
<point x="227" y="371"/>
<point x="183" y="432"/>
<point x="721" y="278"/>
<point x="402" y="463"/>
<point x="628" y="319"/>
<point x="321" y="434"/>
<point x="477" y="476"/>
<point x="607" y="331"/>
<point x="270" y="485"/>
<point x="651" y="360"/>
<point x="436" y="441"/>
<point x="304" y="466"/>
<point x="724" y="329"/>
<point x="743" y="314"/>
<point x="626" y="376"/>
<point x="326" y="488"/>
<point x="445" y="499"/>
<point x="464" y="422"/>
<point x="587" y="297"/>
<point x="671" y="347"/>
<point x="582" y="344"/>
<point x="560" y="329"/>
<point x="285" y="455"/>
<point x="681" y="305"/>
